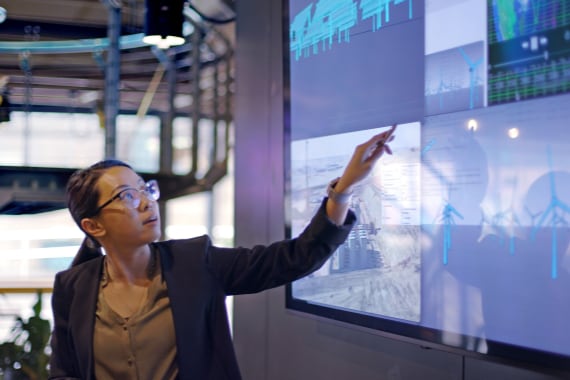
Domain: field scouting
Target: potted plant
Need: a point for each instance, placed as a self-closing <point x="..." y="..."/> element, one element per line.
<point x="24" y="355"/>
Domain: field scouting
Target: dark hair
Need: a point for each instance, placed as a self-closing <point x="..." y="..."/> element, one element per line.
<point x="82" y="197"/>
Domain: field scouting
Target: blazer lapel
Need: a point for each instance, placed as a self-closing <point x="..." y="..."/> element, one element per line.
<point x="82" y="314"/>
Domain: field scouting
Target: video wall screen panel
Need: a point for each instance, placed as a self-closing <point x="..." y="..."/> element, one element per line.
<point x="463" y="234"/>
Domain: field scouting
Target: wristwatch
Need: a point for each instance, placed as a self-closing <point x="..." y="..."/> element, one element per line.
<point x="340" y="198"/>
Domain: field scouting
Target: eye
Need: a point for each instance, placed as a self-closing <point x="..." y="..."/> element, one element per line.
<point x="128" y="195"/>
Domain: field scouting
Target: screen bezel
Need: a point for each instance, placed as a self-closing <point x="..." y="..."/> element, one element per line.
<point x="395" y="329"/>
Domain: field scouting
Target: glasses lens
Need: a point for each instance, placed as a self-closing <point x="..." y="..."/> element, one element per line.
<point x="131" y="198"/>
<point x="152" y="190"/>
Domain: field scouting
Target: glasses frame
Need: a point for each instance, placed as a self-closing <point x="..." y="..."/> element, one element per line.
<point x="144" y="191"/>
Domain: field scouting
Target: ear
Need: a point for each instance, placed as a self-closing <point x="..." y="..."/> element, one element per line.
<point x="92" y="227"/>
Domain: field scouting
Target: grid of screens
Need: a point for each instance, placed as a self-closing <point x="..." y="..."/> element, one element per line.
<point x="463" y="235"/>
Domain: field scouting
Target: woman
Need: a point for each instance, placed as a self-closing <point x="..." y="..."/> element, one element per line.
<point x="156" y="310"/>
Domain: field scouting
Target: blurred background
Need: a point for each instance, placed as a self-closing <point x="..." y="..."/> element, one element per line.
<point x="79" y="84"/>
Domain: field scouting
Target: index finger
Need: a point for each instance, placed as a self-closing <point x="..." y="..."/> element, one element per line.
<point x="384" y="137"/>
<point x="387" y="135"/>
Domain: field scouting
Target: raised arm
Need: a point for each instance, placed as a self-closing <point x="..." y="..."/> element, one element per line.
<point x="359" y="167"/>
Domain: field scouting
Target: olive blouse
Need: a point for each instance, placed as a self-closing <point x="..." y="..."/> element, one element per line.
<point x="130" y="347"/>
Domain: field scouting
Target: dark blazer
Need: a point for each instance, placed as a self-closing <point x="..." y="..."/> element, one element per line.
<point x="198" y="277"/>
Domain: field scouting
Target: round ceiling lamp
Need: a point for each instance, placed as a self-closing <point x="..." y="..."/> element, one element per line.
<point x="163" y="23"/>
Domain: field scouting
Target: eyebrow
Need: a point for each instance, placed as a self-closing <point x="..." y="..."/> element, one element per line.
<point x="140" y="182"/>
<point x="119" y="188"/>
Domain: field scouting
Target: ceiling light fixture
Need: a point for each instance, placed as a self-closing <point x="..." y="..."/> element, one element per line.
<point x="163" y="23"/>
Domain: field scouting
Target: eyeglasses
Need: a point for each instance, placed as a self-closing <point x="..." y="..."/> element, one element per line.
<point x="131" y="197"/>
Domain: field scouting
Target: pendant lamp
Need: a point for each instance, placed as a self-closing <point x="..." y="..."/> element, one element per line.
<point x="163" y="23"/>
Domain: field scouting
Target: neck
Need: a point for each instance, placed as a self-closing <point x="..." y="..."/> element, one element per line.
<point x="130" y="267"/>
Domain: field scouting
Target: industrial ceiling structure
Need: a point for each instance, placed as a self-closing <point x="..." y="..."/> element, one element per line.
<point x="88" y="56"/>
<point x="54" y="52"/>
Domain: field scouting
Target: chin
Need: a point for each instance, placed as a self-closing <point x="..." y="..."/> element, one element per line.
<point x="154" y="234"/>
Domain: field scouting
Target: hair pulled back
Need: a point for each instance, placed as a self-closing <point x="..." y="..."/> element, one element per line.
<point x="82" y="196"/>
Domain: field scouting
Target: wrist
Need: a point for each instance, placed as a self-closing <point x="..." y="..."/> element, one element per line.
<point x="338" y="194"/>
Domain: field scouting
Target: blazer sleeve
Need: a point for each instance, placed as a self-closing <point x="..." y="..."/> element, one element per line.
<point x="242" y="270"/>
<point x="61" y="366"/>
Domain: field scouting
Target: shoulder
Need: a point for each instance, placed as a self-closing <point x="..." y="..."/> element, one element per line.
<point x="83" y="271"/>
<point x="185" y="262"/>
<point x="194" y="249"/>
<point x="194" y="245"/>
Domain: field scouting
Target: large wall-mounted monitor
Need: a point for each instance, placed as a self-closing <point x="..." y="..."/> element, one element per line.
<point x="463" y="234"/>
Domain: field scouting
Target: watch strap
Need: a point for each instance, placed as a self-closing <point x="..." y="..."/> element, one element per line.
<point x="337" y="197"/>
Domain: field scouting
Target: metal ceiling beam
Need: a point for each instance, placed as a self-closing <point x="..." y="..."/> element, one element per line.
<point x="72" y="46"/>
<point x="112" y="82"/>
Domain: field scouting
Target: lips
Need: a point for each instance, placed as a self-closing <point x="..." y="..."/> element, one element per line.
<point x="152" y="219"/>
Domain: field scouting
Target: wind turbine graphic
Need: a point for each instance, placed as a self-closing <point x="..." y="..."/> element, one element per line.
<point x="448" y="212"/>
<point x="472" y="74"/>
<point x="556" y="218"/>
<point x="532" y="215"/>
<point x="428" y="147"/>
<point x="448" y="221"/>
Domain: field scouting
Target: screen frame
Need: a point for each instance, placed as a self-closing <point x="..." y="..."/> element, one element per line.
<point x="391" y="328"/>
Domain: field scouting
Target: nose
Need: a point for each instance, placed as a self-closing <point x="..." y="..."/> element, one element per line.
<point x="146" y="200"/>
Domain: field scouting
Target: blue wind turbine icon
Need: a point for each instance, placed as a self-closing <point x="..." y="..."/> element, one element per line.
<point x="472" y="74"/>
<point x="555" y="217"/>
<point x="448" y="221"/>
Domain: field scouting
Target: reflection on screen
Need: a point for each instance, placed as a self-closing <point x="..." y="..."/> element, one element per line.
<point x="466" y="228"/>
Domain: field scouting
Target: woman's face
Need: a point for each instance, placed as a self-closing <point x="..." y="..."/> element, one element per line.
<point x="123" y="224"/>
